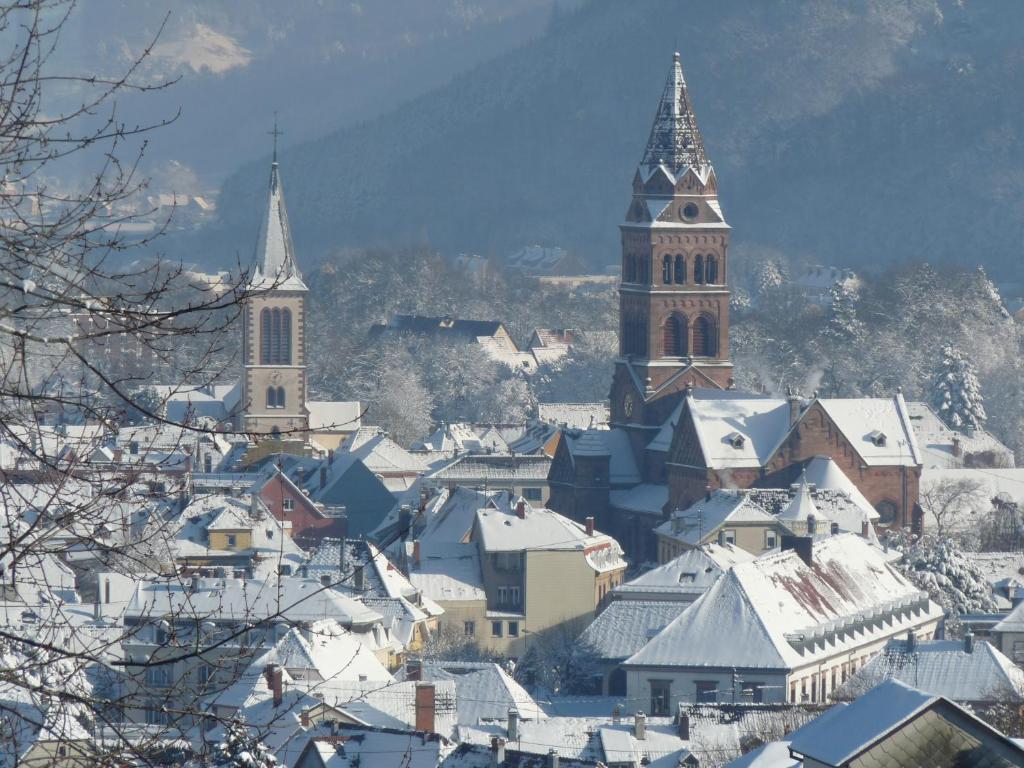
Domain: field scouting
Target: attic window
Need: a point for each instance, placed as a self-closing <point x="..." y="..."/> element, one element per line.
<point x="736" y="440"/>
<point x="877" y="437"/>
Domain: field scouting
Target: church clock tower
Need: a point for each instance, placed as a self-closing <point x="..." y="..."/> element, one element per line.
<point x="273" y="337"/>
<point x="673" y="300"/>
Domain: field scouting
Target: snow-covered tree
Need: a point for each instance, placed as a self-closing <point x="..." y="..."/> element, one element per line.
<point x="241" y="749"/>
<point x="956" y="393"/>
<point x="940" y="568"/>
<point x="843" y="325"/>
<point x="559" y="661"/>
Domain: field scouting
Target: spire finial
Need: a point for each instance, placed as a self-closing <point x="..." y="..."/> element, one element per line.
<point x="675" y="57"/>
<point x="275" y="133"/>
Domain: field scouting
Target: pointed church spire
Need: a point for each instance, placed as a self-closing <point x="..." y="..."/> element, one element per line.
<point x="675" y="140"/>
<point x="275" y="255"/>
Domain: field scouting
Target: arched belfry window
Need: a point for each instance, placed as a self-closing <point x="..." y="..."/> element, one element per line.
<point x="276" y="336"/>
<point x="271" y="397"/>
<point x="280" y="397"/>
<point x="680" y="268"/>
<point x="675" y="336"/>
<point x="704" y="337"/>
<point x="711" y="270"/>
<point x="666" y="270"/>
<point x="698" y="269"/>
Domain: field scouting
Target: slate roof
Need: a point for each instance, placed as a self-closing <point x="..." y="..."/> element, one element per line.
<point x="686" y="577"/>
<point x="441" y="326"/>
<point x="701" y="519"/>
<point x="626" y="626"/>
<point x="482" y="468"/>
<point x="613" y="443"/>
<point x="944" y="668"/>
<point x="276" y="266"/>
<point x="483" y="690"/>
<point x="675" y="140"/>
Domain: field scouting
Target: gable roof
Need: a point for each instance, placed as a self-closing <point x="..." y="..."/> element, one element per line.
<point x="718" y="416"/>
<point x="865" y="420"/>
<point x="690" y="574"/>
<point x="626" y="626"/>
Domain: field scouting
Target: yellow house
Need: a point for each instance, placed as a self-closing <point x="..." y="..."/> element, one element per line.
<point x="728" y="517"/>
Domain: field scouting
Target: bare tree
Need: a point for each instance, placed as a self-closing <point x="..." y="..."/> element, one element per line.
<point x="949" y="500"/>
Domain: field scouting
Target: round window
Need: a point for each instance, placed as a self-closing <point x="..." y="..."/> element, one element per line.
<point x="690" y="211"/>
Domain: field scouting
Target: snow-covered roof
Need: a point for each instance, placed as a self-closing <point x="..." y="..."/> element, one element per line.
<point x="648" y="498"/>
<point x="944" y="668"/>
<point x="762" y="422"/>
<point x="334" y="415"/>
<point x="484" y="691"/>
<point x="574" y="415"/>
<point x="276" y="267"/>
<point x="502" y="530"/>
<point x="939" y="443"/>
<point x="460" y="437"/>
<point x="626" y="626"/>
<point x="495" y="467"/>
<point x="878" y="428"/>
<point x="675" y="141"/>
<point x="294" y="599"/>
<point x="701" y="519"/>
<point x="613" y="443"/>
<point x="776" y="612"/>
<point x="824" y="473"/>
<point x="663" y="440"/>
<point x="801" y="508"/>
<point x="689" y="575"/>
<point x="845" y="731"/>
<point x="449" y="572"/>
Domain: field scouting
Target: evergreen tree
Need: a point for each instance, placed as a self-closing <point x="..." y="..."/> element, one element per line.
<point x="843" y="325"/>
<point x="956" y="393"/>
<point x="240" y="749"/>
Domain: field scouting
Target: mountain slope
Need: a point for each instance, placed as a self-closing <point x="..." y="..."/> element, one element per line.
<point x="850" y="133"/>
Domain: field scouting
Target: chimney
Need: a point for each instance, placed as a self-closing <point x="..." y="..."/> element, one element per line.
<point x="684" y="726"/>
<point x="521" y="509"/>
<point x="802" y="545"/>
<point x="323" y="477"/>
<point x="275" y="682"/>
<point x="911" y="641"/>
<point x="834" y="529"/>
<point x="425" y="707"/>
<point x="416" y="553"/>
<point x="552" y="758"/>
<point x="969" y="642"/>
<point x="497" y="751"/>
<point x="589" y="522"/>
<point x="359" y="578"/>
<point x="721" y="538"/>
<point x="414" y="669"/>
<point x="513" y="724"/>
<point x="304" y="718"/>
<point x="617" y="715"/>
<point x="330" y="456"/>
<point x="404" y="519"/>
<point x="794" y="407"/>
<point x="957" y="448"/>
<point x="97" y="610"/>
<point x="640" y="726"/>
<point x="106" y="590"/>
<point x="864" y="528"/>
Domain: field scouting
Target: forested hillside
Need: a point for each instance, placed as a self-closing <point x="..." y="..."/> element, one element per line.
<point x="855" y="133"/>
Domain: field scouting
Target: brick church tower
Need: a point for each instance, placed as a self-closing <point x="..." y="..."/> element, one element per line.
<point x="673" y="301"/>
<point x="273" y="335"/>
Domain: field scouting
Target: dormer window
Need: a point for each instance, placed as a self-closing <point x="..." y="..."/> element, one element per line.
<point x="877" y="438"/>
<point x="736" y="440"/>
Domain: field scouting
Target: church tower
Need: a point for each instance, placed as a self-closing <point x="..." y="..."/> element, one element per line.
<point x="673" y="300"/>
<point x="273" y="337"/>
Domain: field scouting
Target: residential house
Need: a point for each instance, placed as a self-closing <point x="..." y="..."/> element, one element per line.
<point x="483" y="689"/>
<point x="790" y="626"/>
<point x="225" y="622"/>
<point x="726" y="517"/>
<point x="310" y="520"/>
<point x="505" y="570"/>
<point x="893" y="724"/>
<point x="943" y="447"/>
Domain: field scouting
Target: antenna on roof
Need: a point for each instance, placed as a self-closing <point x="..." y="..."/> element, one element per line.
<point x="275" y="133"/>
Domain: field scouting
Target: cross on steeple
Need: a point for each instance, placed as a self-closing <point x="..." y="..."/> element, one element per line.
<point x="275" y="133"/>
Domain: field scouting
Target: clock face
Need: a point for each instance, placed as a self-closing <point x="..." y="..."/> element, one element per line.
<point x="627" y="404"/>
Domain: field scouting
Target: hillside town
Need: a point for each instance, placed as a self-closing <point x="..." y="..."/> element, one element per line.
<point x="217" y="564"/>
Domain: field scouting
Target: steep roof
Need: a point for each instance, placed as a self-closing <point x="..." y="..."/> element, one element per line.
<point x="776" y="612"/>
<point x="705" y="516"/>
<point x="801" y="507"/>
<point x="692" y="573"/>
<point x="945" y="668"/>
<point x="675" y="140"/>
<point x="275" y="255"/>
<point x="626" y="626"/>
